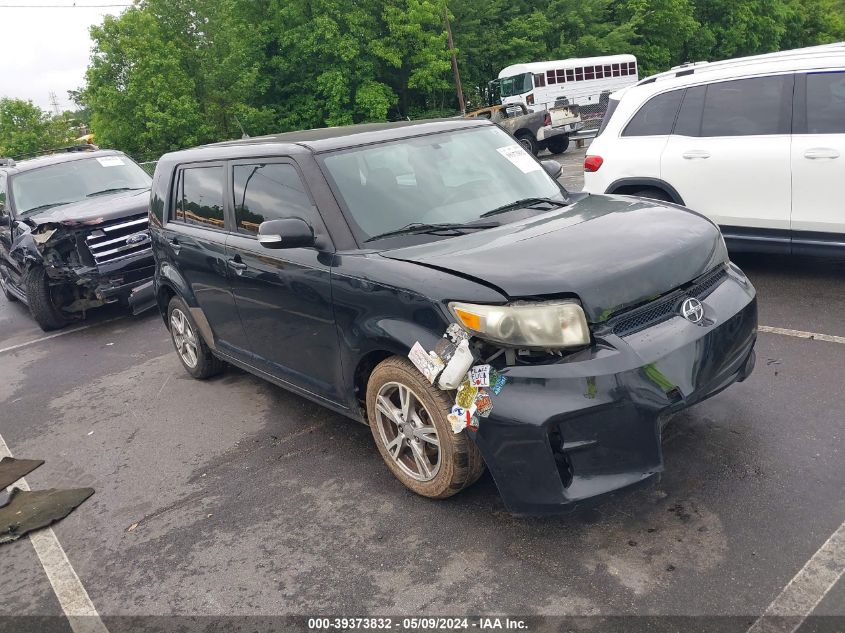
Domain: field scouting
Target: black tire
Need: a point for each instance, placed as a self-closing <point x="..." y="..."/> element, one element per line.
<point x="558" y="144"/>
<point x="4" y="286"/>
<point x="459" y="462"/>
<point x="40" y="297"/>
<point x="527" y="140"/>
<point x="652" y="193"/>
<point x="200" y="363"/>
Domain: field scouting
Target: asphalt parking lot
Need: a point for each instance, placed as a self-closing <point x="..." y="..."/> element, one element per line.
<point x="234" y="497"/>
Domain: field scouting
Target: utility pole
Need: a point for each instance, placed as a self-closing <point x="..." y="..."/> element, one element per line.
<point x="458" y="89"/>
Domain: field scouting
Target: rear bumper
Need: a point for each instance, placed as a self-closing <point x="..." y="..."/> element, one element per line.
<point x="563" y="433"/>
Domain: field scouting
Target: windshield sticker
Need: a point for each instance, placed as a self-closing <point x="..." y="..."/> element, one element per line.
<point x="110" y="161"/>
<point x="519" y="157"/>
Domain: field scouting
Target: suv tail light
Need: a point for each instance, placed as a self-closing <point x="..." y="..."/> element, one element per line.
<point x="547" y="119"/>
<point x="592" y="163"/>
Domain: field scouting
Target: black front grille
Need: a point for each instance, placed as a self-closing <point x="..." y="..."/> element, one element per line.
<point x="664" y="308"/>
<point x="119" y="239"/>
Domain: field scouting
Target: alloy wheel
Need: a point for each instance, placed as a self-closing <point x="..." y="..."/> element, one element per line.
<point x="184" y="337"/>
<point x="407" y="431"/>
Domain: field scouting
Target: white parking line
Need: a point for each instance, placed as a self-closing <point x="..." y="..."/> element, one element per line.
<point x="807" y="589"/>
<point x="801" y="334"/>
<point x="71" y="594"/>
<point x="56" y="335"/>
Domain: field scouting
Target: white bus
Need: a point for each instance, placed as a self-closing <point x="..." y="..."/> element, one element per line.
<point x="538" y="85"/>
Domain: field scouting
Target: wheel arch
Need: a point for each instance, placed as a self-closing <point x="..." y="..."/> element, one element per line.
<point x="624" y="186"/>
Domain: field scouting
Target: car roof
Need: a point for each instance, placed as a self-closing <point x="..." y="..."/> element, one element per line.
<point x="55" y="159"/>
<point x="322" y="139"/>
<point x="795" y="60"/>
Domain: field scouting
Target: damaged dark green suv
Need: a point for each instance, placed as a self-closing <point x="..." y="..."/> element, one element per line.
<point x="434" y="281"/>
<point x="73" y="232"/>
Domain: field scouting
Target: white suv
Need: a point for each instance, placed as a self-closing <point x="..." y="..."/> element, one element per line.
<point x="756" y="144"/>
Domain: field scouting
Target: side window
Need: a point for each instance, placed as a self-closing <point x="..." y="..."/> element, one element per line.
<point x="201" y="196"/>
<point x="268" y="191"/>
<point x="3" y="193"/>
<point x="826" y="103"/>
<point x="689" y="118"/>
<point x="656" y="116"/>
<point x="745" y="107"/>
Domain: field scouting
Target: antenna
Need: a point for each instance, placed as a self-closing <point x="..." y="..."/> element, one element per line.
<point x="243" y="132"/>
<point x="54" y="101"/>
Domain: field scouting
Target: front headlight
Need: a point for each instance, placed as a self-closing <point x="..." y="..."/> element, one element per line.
<point x="545" y="325"/>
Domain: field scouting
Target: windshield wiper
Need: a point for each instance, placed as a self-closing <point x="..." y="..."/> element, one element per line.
<point x="421" y="227"/>
<point x="114" y="190"/>
<point x="49" y="205"/>
<point x="522" y="204"/>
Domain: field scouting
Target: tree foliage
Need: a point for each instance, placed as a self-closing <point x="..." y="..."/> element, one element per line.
<point x="173" y="73"/>
<point x="25" y="129"/>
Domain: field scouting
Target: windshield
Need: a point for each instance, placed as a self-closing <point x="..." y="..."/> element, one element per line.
<point x="76" y="180"/>
<point x="447" y="178"/>
<point x="516" y="85"/>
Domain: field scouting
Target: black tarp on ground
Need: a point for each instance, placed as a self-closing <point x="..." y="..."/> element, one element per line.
<point x="12" y="469"/>
<point x="27" y="511"/>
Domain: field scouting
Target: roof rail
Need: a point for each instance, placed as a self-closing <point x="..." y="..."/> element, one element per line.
<point x="6" y="162"/>
<point x="85" y="147"/>
<point x="689" y="68"/>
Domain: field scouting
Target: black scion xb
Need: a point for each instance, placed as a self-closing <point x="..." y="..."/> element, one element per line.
<point x="434" y="281"/>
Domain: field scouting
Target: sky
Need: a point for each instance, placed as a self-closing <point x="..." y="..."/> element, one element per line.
<point x="47" y="49"/>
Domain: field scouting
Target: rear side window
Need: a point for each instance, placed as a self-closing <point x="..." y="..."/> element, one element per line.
<point x="746" y="107"/>
<point x="200" y="199"/>
<point x="826" y="103"/>
<point x="656" y="117"/>
<point x="268" y="191"/>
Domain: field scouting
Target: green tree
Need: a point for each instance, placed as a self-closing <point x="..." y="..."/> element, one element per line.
<point x="25" y="128"/>
<point x="141" y="99"/>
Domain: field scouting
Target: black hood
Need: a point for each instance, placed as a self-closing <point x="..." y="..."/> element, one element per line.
<point x="610" y="251"/>
<point x="120" y="204"/>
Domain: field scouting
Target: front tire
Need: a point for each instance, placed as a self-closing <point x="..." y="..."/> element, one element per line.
<point x="407" y="418"/>
<point x="41" y="297"/>
<point x="558" y="144"/>
<point x="192" y="351"/>
<point x="4" y="286"/>
<point x="529" y="142"/>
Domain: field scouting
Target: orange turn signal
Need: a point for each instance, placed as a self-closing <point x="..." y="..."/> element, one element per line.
<point x="470" y="320"/>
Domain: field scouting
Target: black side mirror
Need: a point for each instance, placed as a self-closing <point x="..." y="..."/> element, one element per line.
<point x="287" y="233"/>
<point x="553" y="168"/>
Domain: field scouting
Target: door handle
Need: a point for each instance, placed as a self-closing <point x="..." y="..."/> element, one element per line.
<point x="817" y="153"/>
<point x="174" y="242"/>
<point x="237" y="265"/>
<point x="696" y="154"/>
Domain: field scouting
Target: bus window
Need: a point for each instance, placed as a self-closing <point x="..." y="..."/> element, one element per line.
<point x="560" y="76"/>
<point x="539" y="80"/>
<point x="570" y="75"/>
<point x="579" y="74"/>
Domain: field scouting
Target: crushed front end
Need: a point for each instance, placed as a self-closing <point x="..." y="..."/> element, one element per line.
<point x="568" y="428"/>
<point x="93" y="263"/>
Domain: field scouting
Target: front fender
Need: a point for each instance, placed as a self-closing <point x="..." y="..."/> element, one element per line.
<point x="25" y="251"/>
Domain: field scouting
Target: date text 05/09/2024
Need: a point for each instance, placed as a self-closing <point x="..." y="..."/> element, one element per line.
<point x="496" y="623"/>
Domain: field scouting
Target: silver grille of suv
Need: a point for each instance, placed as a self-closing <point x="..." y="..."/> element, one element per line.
<point x="122" y="238"/>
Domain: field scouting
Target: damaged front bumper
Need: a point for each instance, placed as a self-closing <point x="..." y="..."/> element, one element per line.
<point x="564" y="432"/>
